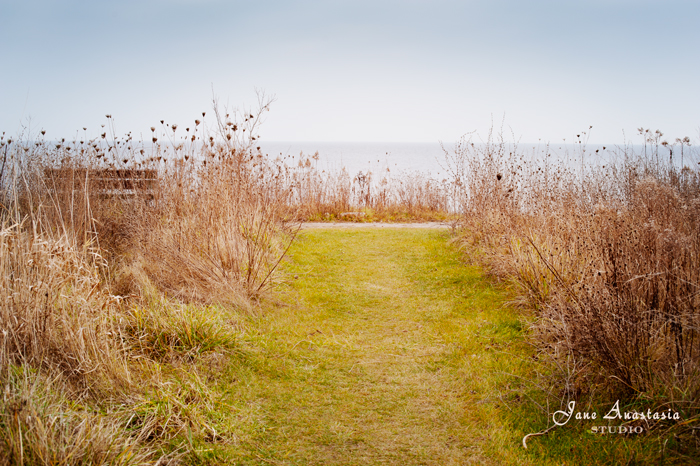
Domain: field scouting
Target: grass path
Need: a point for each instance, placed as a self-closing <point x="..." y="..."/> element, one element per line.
<point x="384" y="349"/>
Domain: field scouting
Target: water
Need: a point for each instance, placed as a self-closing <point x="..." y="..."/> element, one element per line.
<point x="429" y="158"/>
<point x="363" y="156"/>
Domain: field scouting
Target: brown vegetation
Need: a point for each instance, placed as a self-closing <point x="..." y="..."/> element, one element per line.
<point x="607" y="254"/>
<point x="327" y="195"/>
<point x="123" y="264"/>
<point x="106" y="272"/>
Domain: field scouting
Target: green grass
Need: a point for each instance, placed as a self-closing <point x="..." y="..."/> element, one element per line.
<point x="384" y="348"/>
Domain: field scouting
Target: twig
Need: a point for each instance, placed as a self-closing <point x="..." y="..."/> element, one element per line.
<point x="544" y="432"/>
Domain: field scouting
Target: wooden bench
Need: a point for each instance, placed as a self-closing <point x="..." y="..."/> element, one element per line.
<point x="105" y="183"/>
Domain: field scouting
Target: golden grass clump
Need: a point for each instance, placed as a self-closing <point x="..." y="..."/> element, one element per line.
<point x="60" y="355"/>
<point x="215" y="233"/>
<point x="55" y="310"/>
<point x="38" y="426"/>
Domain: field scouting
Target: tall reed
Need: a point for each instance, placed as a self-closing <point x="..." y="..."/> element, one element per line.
<point x="103" y="242"/>
<point x="607" y="254"/>
<point x="317" y="194"/>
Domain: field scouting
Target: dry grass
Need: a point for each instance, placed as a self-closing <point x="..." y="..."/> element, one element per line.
<point x="111" y="297"/>
<point x="60" y="354"/>
<point x="609" y="257"/>
<point x="215" y="234"/>
<point x="55" y="311"/>
<point x="317" y="194"/>
<point x="109" y="286"/>
<point x="123" y="263"/>
<point x="38" y="426"/>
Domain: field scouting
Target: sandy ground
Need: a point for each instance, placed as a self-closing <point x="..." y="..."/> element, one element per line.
<point x="315" y="225"/>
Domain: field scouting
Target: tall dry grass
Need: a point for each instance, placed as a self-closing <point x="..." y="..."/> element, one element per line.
<point x="219" y="224"/>
<point x="55" y="310"/>
<point x="105" y="278"/>
<point x="213" y="228"/>
<point x="60" y="347"/>
<point x="607" y="254"/>
<point x="122" y="260"/>
<point x="318" y="194"/>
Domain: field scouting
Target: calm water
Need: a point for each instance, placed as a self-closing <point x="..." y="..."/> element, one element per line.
<point x="429" y="158"/>
<point x="363" y="156"/>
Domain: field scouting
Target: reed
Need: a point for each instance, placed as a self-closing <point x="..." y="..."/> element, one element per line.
<point x="120" y="262"/>
<point x="328" y="195"/>
<point x="608" y="257"/>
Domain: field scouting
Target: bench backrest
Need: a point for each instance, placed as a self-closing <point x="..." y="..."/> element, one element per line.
<point x="109" y="182"/>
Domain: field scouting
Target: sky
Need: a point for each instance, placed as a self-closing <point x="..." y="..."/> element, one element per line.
<point x="356" y="70"/>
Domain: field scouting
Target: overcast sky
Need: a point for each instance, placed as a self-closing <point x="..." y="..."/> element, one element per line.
<point x="356" y="70"/>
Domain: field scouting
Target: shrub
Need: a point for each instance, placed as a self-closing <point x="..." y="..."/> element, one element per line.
<point x="608" y="255"/>
<point x="94" y="257"/>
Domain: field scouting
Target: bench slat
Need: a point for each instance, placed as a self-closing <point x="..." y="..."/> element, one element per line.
<point x="108" y="182"/>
